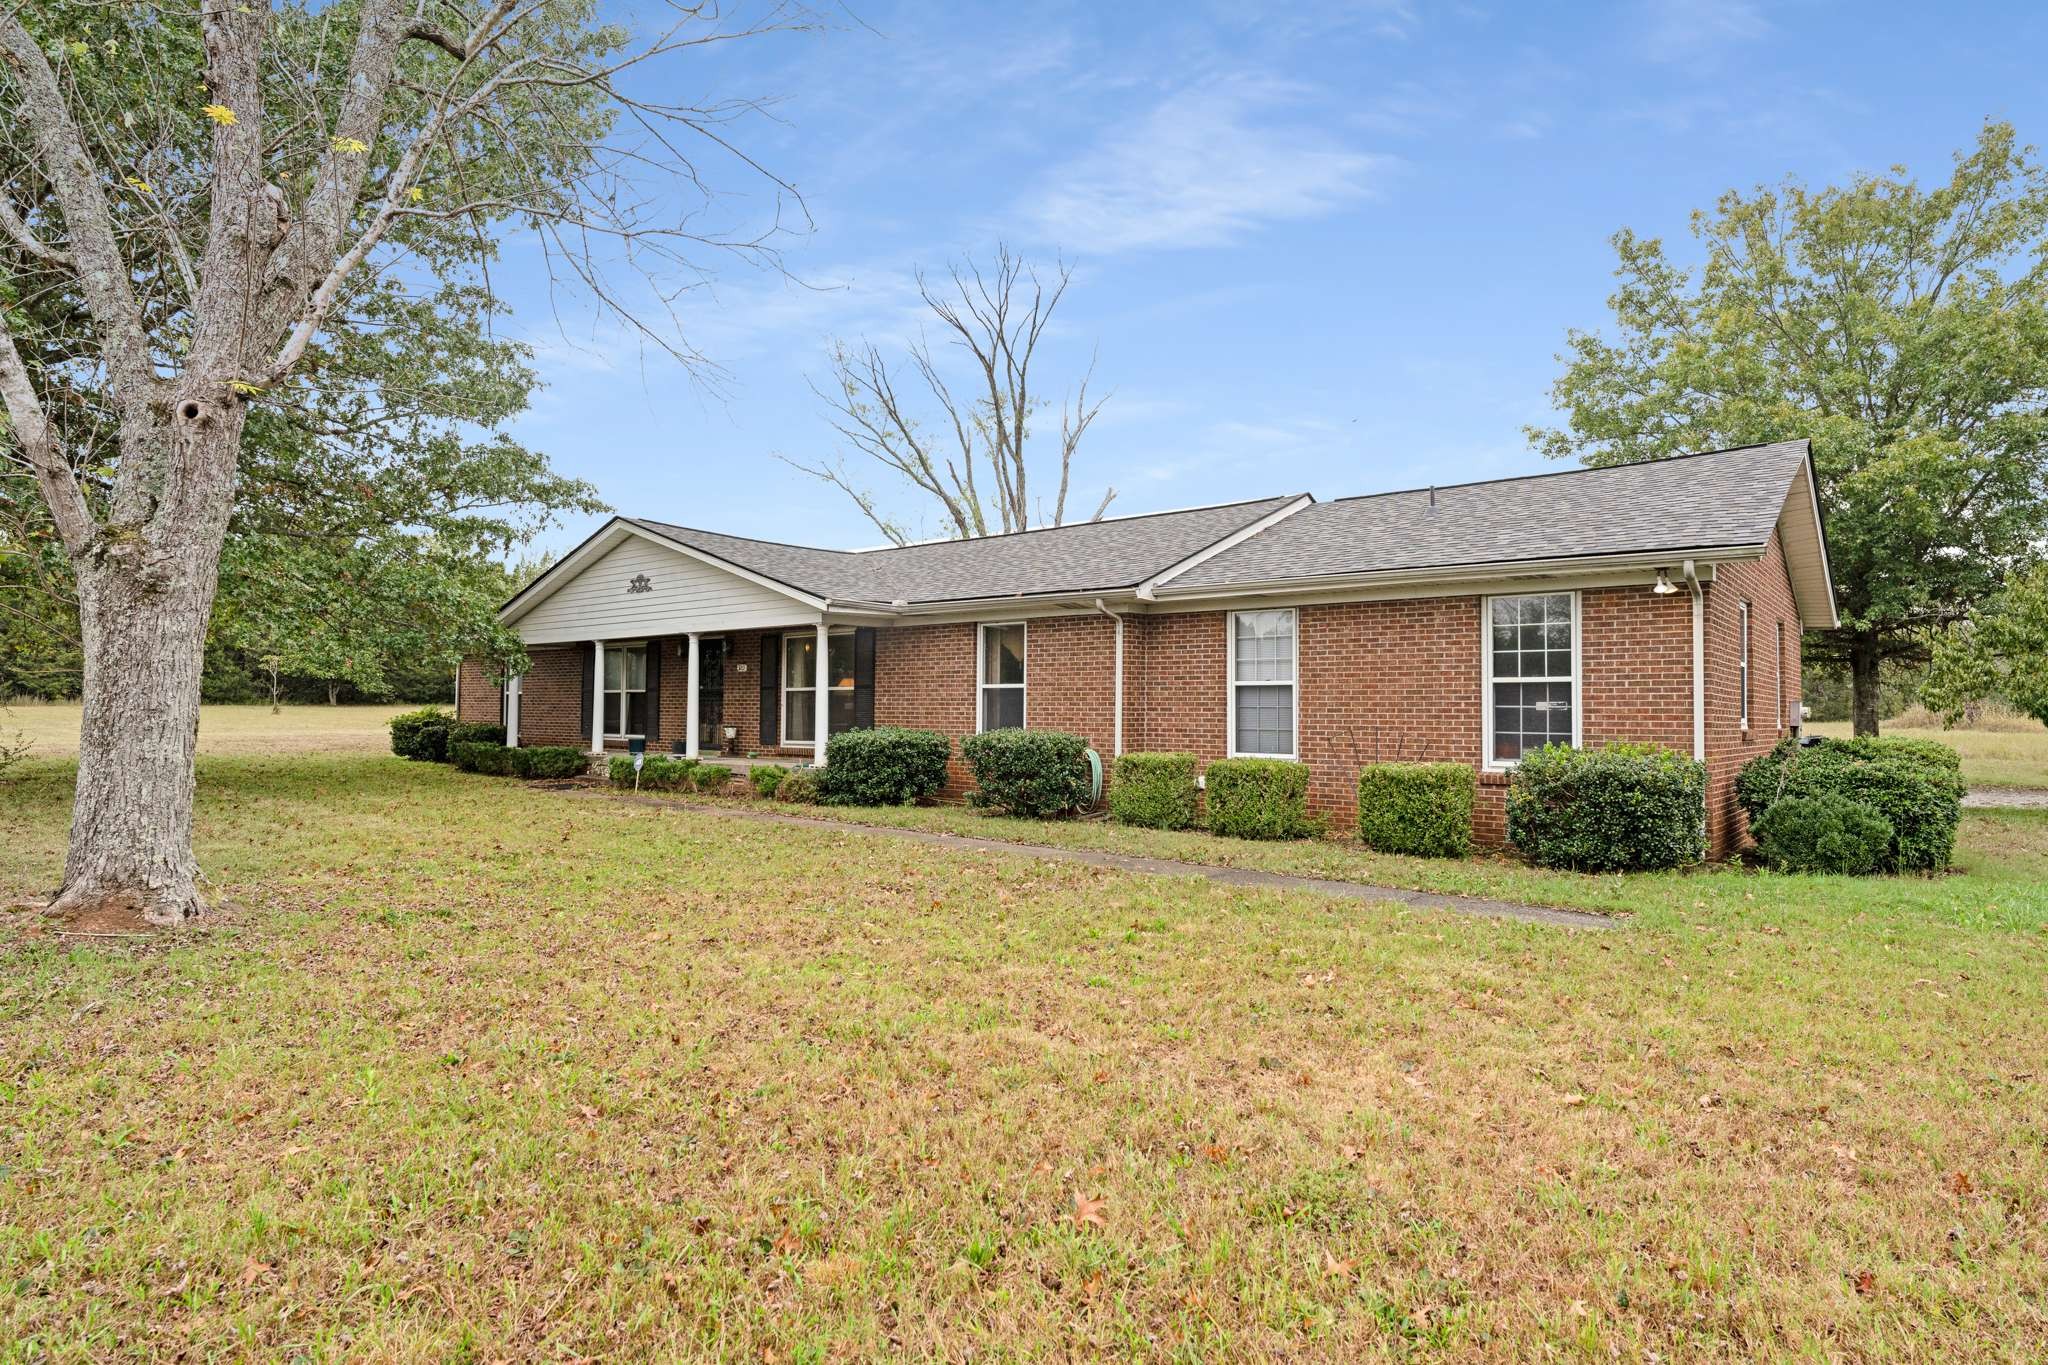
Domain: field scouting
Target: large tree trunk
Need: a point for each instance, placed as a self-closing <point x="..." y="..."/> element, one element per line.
<point x="143" y="603"/>
<point x="1863" y="682"/>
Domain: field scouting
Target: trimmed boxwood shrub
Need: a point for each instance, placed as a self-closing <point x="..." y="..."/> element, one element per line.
<point x="1624" y="808"/>
<point x="1825" y="833"/>
<point x="658" y="774"/>
<point x="474" y="732"/>
<point x="1419" y="808"/>
<point x="798" y="786"/>
<point x="1032" y="773"/>
<point x="1156" y="791"/>
<point x="884" y="766"/>
<point x="709" y="777"/>
<point x="1916" y="785"/>
<point x="1259" y="798"/>
<point x="475" y="756"/>
<point x="422" y="734"/>
<point x="551" y="761"/>
<point x="766" y="777"/>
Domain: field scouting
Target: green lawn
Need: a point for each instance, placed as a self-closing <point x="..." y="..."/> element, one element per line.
<point x="474" y="1071"/>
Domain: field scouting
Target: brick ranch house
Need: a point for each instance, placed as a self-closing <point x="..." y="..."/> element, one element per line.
<point x="1660" y="602"/>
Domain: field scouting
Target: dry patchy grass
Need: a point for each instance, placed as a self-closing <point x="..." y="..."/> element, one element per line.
<point x="2007" y="750"/>
<point x="52" y="728"/>
<point x="475" y="1071"/>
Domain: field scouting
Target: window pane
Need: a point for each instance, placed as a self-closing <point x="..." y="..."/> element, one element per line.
<point x="1265" y="720"/>
<point x="799" y="718"/>
<point x="800" y="660"/>
<point x="1002" y="654"/>
<point x="1002" y="708"/>
<point x="633" y="668"/>
<point x="839" y="708"/>
<point x="839" y="660"/>
<point x="1531" y="638"/>
<point x="1265" y="646"/>
<point x="611" y="713"/>
<point x="1529" y="715"/>
<point x="636" y="713"/>
<point x="614" y="661"/>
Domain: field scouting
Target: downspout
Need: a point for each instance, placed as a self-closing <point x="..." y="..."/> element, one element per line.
<point x="1699" y="663"/>
<point x="1117" y="709"/>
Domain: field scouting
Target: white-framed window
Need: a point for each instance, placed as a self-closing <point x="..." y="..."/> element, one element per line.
<point x="625" y="691"/>
<point x="1531" y="649"/>
<point x="1262" y="671"/>
<point x="1783" y="719"/>
<point x="800" y="685"/>
<point x="1744" y="612"/>
<point x="1000" y="677"/>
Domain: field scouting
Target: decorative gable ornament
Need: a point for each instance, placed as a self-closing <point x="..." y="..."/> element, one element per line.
<point x="641" y="583"/>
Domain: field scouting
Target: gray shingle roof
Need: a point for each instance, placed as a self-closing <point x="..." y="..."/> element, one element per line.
<point x="1088" y="557"/>
<point x="1721" y="498"/>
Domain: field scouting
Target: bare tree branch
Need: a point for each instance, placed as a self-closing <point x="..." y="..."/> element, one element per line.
<point x="997" y="319"/>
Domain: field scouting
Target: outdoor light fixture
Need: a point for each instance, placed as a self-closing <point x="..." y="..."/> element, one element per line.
<point x="1664" y="585"/>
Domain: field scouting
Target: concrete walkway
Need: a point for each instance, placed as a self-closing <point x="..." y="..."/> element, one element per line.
<point x="2006" y="798"/>
<point x="1156" y="867"/>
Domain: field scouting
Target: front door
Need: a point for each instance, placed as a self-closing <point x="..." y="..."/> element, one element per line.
<point x="711" y="696"/>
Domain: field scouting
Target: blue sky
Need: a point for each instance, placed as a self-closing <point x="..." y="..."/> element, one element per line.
<point x="1332" y="247"/>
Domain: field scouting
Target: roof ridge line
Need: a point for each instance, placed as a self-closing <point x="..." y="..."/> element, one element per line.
<point x="1560" y="473"/>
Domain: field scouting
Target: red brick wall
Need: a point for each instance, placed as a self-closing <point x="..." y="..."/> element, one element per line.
<point x="476" y="697"/>
<point x="1768" y="589"/>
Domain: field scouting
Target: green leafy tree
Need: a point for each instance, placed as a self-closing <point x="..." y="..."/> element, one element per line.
<point x="219" y="215"/>
<point x="2002" y="651"/>
<point x="1903" y="330"/>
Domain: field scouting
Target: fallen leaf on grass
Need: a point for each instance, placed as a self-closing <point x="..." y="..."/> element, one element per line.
<point x="1959" y="1182"/>
<point x="1866" y="1283"/>
<point x="252" y="1271"/>
<point x="1088" y="1211"/>
<point x="1574" y="1100"/>
<point x="1216" y="1153"/>
<point x="1334" y="1269"/>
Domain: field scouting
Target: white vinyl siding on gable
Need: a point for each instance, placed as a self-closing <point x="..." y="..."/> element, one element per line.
<point x="1262" y="658"/>
<point x="682" y="594"/>
<point x="1531" y="649"/>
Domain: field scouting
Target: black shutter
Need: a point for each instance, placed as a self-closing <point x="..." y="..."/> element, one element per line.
<point x="589" y="693"/>
<point x="653" y="693"/>
<point x="771" y="689"/>
<point x="864" y="677"/>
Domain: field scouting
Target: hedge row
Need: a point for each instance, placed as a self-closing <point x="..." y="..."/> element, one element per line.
<point x="665" y="773"/>
<point x="537" y="761"/>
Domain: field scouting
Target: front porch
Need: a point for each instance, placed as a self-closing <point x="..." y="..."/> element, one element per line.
<point x="743" y="697"/>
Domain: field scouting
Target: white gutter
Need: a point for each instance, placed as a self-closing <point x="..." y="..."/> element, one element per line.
<point x="1118" y="684"/>
<point x="1699" y="663"/>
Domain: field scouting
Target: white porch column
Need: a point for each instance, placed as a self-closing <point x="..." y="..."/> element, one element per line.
<point x="512" y="712"/>
<point x="822" y="695"/>
<point x="597" y="698"/>
<point x="690" y="708"/>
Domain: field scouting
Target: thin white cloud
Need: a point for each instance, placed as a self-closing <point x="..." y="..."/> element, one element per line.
<point x="1205" y="167"/>
<point x="1691" y="30"/>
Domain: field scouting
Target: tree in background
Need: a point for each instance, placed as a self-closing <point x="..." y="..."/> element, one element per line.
<point x="214" y="211"/>
<point x="2001" y="651"/>
<point x="1905" y="331"/>
<point x="971" y="454"/>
